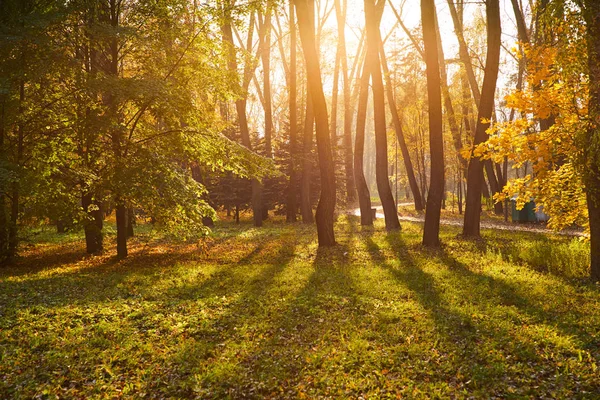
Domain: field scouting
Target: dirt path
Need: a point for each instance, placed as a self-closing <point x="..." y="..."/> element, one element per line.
<point x="507" y="226"/>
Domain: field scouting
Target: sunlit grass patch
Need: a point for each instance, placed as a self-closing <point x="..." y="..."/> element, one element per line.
<point x="264" y="313"/>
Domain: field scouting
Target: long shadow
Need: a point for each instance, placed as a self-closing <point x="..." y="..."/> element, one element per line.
<point x="500" y="291"/>
<point x="461" y="335"/>
<point x="87" y="280"/>
<point x="240" y="318"/>
<point x="292" y="331"/>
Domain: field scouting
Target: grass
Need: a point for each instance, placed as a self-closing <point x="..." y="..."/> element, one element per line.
<point x="264" y="313"/>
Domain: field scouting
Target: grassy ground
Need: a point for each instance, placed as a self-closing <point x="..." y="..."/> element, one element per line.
<point x="258" y="313"/>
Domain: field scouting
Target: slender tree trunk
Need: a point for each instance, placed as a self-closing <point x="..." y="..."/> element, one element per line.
<point x="436" y="139"/>
<point x="4" y="255"/>
<point x="326" y="206"/>
<point x="266" y="62"/>
<point x="291" y="206"/>
<point x="13" y="235"/>
<point x="592" y="137"/>
<point x="448" y="106"/>
<point x="240" y="106"/>
<point x="463" y="51"/>
<point x="268" y="107"/>
<point x="93" y="225"/>
<point x="305" y="188"/>
<point x="475" y="172"/>
<point x="117" y="133"/>
<point x="334" y="104"/>
<point x="410" y="172"/>
<point x="373" y="17"/>
<point x="131" y="222"/>
<point x="364" y="197"/>
<point x="121" y="214"/>
<point x="341" y="12"/>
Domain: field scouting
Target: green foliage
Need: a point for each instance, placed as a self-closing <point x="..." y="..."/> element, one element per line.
<point x="264" y="313"/>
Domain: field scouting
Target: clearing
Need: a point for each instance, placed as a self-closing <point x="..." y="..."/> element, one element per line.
<point x="262" y="313"/>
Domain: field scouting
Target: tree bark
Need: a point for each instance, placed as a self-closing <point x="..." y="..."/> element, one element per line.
<point x="592" y="137"/>
<point x="93" y="226"/>
<point x="372" y="18"/>
<point x="131" y="222"/>
<point x="291" y="206"/>
<point x="341" y="12"/>
<point x="4" y="256"/>
<point x="410" y="172"/>
<point x="326" y="206"/>
<point x="266" y="62"/>
<point x="436" y="140"/>
<point x="240" y="106"/>
<point x="463" y="51"/>
<point x="364" y="197"/>
<point x="305" y="188"/>
<point x="472" y="218"/>
<point x="121" y="214"/>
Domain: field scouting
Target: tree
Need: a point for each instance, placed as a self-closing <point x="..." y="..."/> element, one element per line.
<point x="372" y="17"/>
<point x="364" y="197"/>
<point x="326" y="206"/>
<point x="475" y="171"/>
<point x="436" y="141"/>
<point x="241" y="102"/>
<point x="591" y="141"/>
<point x="400" y="134"/>
<point x="341" y="12"/>
<point x="291" y="206"/>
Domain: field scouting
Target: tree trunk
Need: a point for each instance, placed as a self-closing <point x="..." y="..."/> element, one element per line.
<point x="436" y="140"/>
<point x="240" y="106"/>
<point x="475" y="172"/>
<point x="326" y="206"/>
<point x="305" y="193"/>
<point x="93" y="225"/>
<point x="291" y="206"/>
<point x="341" y="12"/>
<point x="131" y="222"/>
<point x="364" y="197"/>
<point x="121" y="213"/>
<point x="448" y="106"/>
<point x="463" y="51"/>
<point x="410" y="172"/>
<point x="266" y="62"/>
<point x="13" y="234"/>
<point x="3" y="217"/>
<point x="334" y="104"/>
<point x="592" y="137"/>
<point x="373" y="17"/>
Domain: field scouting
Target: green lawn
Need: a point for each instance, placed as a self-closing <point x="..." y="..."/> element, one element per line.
<point x="257" y="313"/>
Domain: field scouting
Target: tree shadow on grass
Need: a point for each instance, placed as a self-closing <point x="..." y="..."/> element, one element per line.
<point x="241" y="302"/>
<point x="536" y="306"/>
<point x="480" y="317"/>
<point x="463" y="337"/>
<point x="212" y="306"/>
<point x="292" y="332"/>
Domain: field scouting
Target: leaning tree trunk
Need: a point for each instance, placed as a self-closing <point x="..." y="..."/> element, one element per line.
<point x="410" y="172"/>
<point x="364" y="197"/>
<point x="326" y="206"/>
<point x="436" y="140"/>
<point x="592" y="137"/>
<point x="372" y="18"/>
<point x="475" y="171"/>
